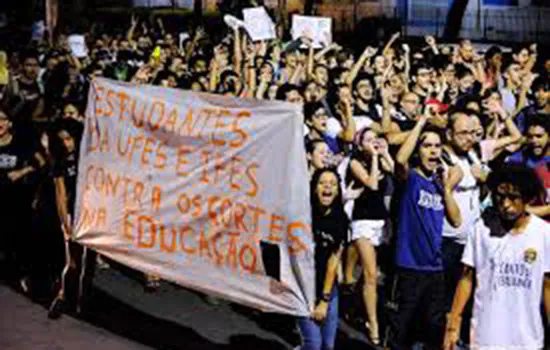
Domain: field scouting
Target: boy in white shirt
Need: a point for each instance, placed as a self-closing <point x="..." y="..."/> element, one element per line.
<point x="509" y="254"/>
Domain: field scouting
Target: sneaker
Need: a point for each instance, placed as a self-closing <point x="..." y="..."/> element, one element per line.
<point x="212" y="300"/>
<point x="102" y="264"/>
<point x="152" y="286"/>
<point x="24" y="285"/>
<point x="233" y="22"/>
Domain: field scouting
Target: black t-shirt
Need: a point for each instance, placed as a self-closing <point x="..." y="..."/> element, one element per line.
<point x="25" y="100"/>
<point x="66" y="161"/>
<point x="329" y="232"/>
<point x="370" y="204"/>
<point x="67" y="168"/>
<point x="372" y="113"/>
<point x="15" y="156"/>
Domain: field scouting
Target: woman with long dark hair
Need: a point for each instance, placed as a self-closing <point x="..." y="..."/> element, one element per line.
<point x="370" y="166"/>
<point x="330" y="226"/>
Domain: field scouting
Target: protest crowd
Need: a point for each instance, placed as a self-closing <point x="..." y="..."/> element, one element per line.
<point x="429" y="168"/>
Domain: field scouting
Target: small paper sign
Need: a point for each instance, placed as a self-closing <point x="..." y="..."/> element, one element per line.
<point x="38" y="29"/>
<point x="258" y="24"/>
<point x="78" y="45"/>
<point x="318" y="29"/>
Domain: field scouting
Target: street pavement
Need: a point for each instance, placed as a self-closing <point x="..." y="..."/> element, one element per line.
<point x="24" y="325"/>
<point x="120" y="315"/>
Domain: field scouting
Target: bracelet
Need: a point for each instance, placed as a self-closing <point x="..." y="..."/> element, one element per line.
<point x="326" y="297"/>
<point x="452" y="320"/>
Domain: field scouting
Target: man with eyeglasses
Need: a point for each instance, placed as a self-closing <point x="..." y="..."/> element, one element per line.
<point x="458" y="151"/>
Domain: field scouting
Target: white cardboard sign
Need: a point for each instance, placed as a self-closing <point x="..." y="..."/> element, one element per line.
<point x="258" y="24"/>
<point x="78" y="46"/>
<point x="318" y="29"/>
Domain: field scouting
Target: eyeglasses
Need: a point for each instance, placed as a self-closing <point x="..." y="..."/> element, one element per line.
<point x="322" y="114"/>
<point x="465" y="133"/>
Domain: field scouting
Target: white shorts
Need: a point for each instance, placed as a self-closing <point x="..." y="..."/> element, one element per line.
<point x="373" y="230"/>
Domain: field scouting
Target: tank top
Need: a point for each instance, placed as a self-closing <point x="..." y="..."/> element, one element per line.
<point x="370" y="204"/>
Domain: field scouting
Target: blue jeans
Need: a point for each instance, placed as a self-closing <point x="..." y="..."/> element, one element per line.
<point x="320" y="336"/>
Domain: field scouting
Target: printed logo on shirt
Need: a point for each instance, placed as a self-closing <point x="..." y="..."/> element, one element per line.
<point x="7" y="161"/>
<point x="530" y="255"/>
<point x="71" y="171"/>
<point x="430" y="200"/>
<point x="326" y="238"/>
<point x="512" y="274"/>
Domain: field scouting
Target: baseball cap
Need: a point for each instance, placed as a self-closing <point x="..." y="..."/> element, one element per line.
<point x="441" y="107"/>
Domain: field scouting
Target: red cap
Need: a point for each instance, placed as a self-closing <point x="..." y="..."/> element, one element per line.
<point x="442" y="108"/>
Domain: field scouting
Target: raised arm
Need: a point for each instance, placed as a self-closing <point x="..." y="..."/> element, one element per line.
<point x="407" y="149"/>
<point x="532" y="59"/>
<point x="367" y="54"/>
<point x="131" y="30"/>
<point x="310" y="60"/>
<point x="514" y="135"/>
<point x="430" y="40"/>
<point x="526" y="84"/>
<point x="393" y="38"/>
<point x="452" y="211"/>
<point x="367" y="178"/>
<point x="237" y="52"/>
<point x="407" y="71"/>
<point x="326" y="50"/>
<point x="160" y="23"/>
<point x="348" y="123"/>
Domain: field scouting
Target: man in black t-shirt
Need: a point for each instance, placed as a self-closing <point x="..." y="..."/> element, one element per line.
<point x="20" y="161"/>
<point x="24" y="95"/>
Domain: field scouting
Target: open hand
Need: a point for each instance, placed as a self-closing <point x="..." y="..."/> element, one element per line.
<point x="430" y="40"/>
<point x="352" y="193"/>
<point x="452" y="177"/>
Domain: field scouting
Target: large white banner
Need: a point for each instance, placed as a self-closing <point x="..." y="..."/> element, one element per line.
<point x="207" y="191"/>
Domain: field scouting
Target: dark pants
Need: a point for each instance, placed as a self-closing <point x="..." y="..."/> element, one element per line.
<point x="452" y="264"/>
<point x="419" y="297"/>
<point x="17" y="241"/>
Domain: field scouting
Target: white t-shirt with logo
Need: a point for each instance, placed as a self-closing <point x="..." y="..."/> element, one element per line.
<point x="466" y="195"/>
<point x="510" y="274"/>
